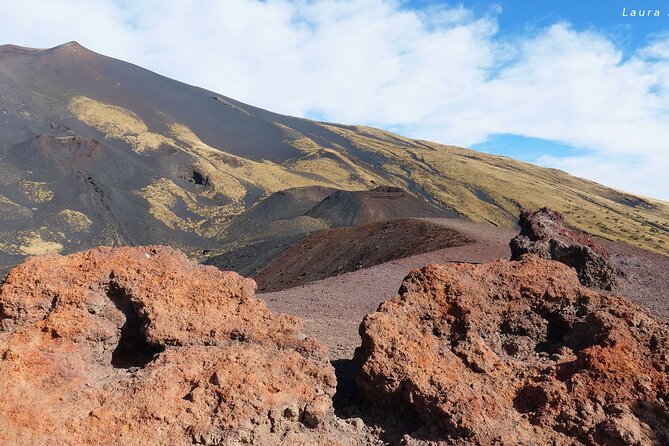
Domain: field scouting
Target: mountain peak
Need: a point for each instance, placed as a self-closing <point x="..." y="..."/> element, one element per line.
<point x="70" y="46"/>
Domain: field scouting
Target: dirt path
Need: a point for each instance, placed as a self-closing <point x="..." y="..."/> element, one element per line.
<point x="333" y="308"/>
<point x="646" y="280"/>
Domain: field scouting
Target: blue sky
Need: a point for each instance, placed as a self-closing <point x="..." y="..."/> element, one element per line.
<point x="519" y="18"/>
<point x="562" y="83"/>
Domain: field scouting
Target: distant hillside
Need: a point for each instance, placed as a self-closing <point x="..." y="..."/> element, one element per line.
<point x="336" y="251"/>
<point x="350" y="208"/>
<point x="280" y="214"/>
<point x="270" y="227"/>
<point x="96" y="151"/>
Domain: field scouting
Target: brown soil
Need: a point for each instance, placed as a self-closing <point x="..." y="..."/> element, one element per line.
<point x="333" y="308"/>
<point x="336" y="251"/>
<point x="645" y="278"/>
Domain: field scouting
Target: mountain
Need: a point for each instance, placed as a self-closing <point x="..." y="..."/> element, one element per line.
<point x="305" y="209"/>
<point x="352" y="208"/>
<point x="336" y="251"/>
<point x="97" y="151"/>
<point x="280" y="214"/>
<point x="281" y="222"/>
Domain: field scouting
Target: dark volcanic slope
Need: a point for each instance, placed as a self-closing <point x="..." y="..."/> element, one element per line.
<point x="350" y="208"/>
<point x="341" y="250"/>
<point x="277" y="214"/>
<point x="305" y="209"/>
<point x="95" y="151"/>
<point x="44" y="81"/>
<point x="280" y="221"/>
<point x="248" y="259"/>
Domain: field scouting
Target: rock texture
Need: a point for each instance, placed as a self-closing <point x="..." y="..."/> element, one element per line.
<point x="515" y="353"/>
<point x="139" y="346"/>
<point x="543" y="233"/>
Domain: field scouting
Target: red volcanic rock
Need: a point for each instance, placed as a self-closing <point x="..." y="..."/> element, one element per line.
<point x="543" y="233"/>
<point x="515" y="353"/>
<point x="139" y="346"/>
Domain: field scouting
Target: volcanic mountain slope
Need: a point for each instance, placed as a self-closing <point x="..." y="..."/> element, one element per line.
<point x="281" y="221"/>
<point x="280" y="214"/>
<point x="95" y="151"/>
<point x="305" y="209"/>
<point x="341" y="250"/>
<point x="351" y="208"/>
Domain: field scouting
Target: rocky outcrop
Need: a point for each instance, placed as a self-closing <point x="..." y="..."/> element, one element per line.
<point x="543" y="233"/>
<point x="515" y="353"/>
<point x="140" y="346"/>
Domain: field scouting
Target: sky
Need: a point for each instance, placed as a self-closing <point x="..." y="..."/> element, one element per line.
<point x="567" y="84"/>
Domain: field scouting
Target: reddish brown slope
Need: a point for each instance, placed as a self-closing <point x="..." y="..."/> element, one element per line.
<point x="337" y="251"/>
<point x="513" y="353"/>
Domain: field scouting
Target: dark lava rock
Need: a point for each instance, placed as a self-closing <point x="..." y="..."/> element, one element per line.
<point x="544" y="234"/>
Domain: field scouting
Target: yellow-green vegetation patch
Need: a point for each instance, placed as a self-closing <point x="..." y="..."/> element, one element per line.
<point x="163" y="195"/>
<point x="337" y="169"/>
<point x="298" y="139"/>
<point x="305" y="144"/>
<point x="75" y="221"/>
<point x="288" y="132"/>
<point x="493" y="189"/>
<point x="29" y="242"/>
<point x="12" y="211"/>
<point x="116" y="122"/>
<point x="36" y="191"/>
<point x="34" y="245"/>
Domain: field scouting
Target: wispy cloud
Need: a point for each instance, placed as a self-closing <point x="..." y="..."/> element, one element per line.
<point x="444" y="74"/>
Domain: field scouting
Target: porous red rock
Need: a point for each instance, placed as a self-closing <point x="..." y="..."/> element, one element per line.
<point x="140" y="346"/>
<point x="515" y="353"/>
<point x="544" y="234"/>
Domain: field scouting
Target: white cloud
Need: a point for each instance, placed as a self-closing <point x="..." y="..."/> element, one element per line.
<point x="631" y="173"/>
<point x="442" y="73"/>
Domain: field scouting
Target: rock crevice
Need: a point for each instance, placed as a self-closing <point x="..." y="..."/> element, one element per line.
<point x="142" y="346"/>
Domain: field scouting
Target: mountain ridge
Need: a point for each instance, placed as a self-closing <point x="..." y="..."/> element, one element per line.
<point x="188" y="160"/>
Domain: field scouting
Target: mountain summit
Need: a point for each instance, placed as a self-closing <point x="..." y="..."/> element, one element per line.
<point x="97" y="151"/>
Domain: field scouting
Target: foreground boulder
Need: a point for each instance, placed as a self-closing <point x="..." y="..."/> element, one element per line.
<point x="515" y="353"/>
<point x="139" y="346"/>
<point x="543" y="233"/>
